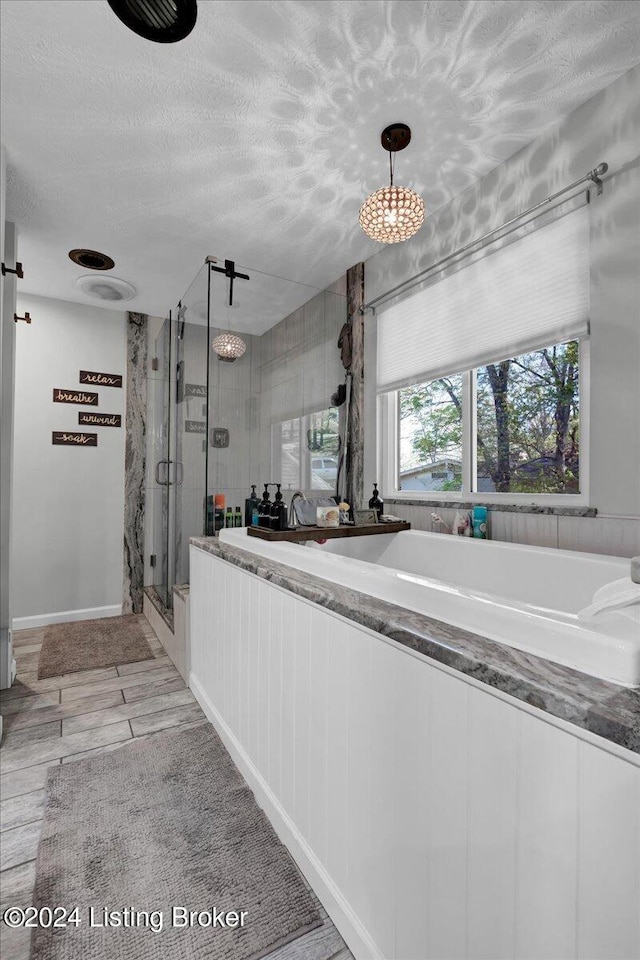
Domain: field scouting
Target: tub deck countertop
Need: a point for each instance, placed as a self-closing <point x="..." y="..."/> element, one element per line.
<point x="599" y="706"/>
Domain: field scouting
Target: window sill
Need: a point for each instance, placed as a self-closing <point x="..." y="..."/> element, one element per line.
<point x="558" y="511"/>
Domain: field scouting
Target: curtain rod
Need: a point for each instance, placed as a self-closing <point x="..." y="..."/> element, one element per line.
<point x="594" y="176"/>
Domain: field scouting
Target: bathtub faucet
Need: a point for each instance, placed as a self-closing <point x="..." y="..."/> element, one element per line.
<point x="292" y="520"/>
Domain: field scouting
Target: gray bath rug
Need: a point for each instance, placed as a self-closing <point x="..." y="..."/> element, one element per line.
<point x="91" y="644"/>
<point x="162" y="823"/>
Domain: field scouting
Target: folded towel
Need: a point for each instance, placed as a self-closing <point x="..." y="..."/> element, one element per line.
<point x="613" y="596"/>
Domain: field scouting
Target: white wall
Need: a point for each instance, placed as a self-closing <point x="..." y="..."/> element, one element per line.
<point x="68" y="502"/>
<point x="434" y="816"/>
<point x="606" y="128"/>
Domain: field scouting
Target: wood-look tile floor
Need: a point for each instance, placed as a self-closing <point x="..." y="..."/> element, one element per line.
<point x="47" y="722"/>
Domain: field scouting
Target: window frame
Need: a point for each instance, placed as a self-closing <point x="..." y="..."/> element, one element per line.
<point x="388" y="419"/>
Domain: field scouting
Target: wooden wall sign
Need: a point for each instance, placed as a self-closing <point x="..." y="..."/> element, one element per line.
<point x="99" y="419"/>
<point x="195" y="390"/>
<point x="75" y="396"/>
<point x="74" y="439"/>
<point x="195" y="426"/>
<point x="100" y="379"/>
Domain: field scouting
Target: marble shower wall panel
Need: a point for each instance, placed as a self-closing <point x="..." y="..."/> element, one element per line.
<point x="134" y="465"/>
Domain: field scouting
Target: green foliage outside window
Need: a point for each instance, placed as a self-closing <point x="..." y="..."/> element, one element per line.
<point x="528" y="429"/>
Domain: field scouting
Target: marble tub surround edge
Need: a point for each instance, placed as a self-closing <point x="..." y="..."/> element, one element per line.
<point x="533" y="508"/>
<point x="598" y="706"/>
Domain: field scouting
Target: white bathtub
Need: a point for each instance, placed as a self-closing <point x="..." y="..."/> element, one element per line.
<point x="526" y="597"/>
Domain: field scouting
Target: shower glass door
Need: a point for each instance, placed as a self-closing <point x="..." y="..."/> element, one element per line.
<point x="265" y="417"/>
<point x="191" y="416"/>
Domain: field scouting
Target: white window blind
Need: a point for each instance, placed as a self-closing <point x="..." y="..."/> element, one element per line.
<point x="529" y="294"/>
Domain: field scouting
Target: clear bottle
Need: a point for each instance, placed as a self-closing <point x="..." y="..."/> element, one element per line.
<point x="228" y="518"/>
<point x="237" y="517"/>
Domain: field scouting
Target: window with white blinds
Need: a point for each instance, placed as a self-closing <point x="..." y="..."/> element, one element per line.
<point x="530" y="293"/>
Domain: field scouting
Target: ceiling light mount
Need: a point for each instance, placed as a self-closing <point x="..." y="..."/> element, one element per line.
<point x="112" y="289"/>
<point x="392" y="214"/>
<point x="91" y="259"/>
<point x="395" y="137"/>
<point x="163" y="21"/>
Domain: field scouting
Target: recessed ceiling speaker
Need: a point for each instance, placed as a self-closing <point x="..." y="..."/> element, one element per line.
<point x="105" y="288"/>
<point x="163" y="21"/>
<point x="91" y="259"/>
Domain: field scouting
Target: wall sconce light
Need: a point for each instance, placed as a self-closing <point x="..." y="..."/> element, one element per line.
<point x="229" y="347"/>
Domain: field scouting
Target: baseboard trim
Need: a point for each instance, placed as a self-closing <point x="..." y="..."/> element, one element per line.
<point x="65" y="616"/>
<point x="340" y="911"/>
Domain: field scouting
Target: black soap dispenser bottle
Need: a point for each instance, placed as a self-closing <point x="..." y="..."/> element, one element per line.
<point x="251" y="503"/>
<point x="264" y="510"/>
<point x="375" y="502"/>
<point x="279" y="512"/>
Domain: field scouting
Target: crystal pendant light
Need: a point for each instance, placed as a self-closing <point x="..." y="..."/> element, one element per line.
<point x="392" y="213"/>
<point x="229" y="347"/>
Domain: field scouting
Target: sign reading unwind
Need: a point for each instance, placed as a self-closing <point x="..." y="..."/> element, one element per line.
<point x="100" y="419"/>
<point x="100" y="379"/>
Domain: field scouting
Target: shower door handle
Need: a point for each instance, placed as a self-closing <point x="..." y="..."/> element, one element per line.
<point x="179" y="473"/>
<point x="165" y="482"/>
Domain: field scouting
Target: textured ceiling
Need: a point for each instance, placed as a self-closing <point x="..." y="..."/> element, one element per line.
<point x="257" y="137"/>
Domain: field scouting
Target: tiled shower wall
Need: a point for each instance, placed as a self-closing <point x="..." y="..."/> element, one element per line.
<point x="615" y="536"/>
<point x="300" y="365"/>
<point x="290" y="370"/>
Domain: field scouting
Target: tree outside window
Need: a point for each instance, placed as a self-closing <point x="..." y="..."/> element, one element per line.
<point x="527" y="426"/>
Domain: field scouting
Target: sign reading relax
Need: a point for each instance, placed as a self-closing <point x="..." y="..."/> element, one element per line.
<point x="100" y="379"/>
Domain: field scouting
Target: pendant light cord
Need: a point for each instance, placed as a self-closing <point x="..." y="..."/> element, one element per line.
<point x="391" y="166"/>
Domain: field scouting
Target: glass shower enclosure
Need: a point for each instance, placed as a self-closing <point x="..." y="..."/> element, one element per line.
<point x="213" y="426"/>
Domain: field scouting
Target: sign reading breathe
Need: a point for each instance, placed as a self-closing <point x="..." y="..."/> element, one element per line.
<point x="100" y="379"/>
<point x="75" y="396"/>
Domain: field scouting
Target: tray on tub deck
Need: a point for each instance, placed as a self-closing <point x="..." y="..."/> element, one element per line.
<point x="326" y="533"/>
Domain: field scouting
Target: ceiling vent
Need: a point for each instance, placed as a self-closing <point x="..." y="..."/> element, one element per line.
<point x="163" y="21"/>
<point x="91" y="259"/>
<point x="109" y="289"/>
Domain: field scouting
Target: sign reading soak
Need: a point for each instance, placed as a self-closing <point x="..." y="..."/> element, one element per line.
<point x="195" y="426"/>
<point x="100" y="379"/>
<point x="100" y="419"/>
<point x="74" y="439"/>
<point x="75" y="396"/>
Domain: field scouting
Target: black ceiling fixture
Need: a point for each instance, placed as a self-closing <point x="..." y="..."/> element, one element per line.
<point x="91" y="259"/>
<point x="163" y="21"/>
